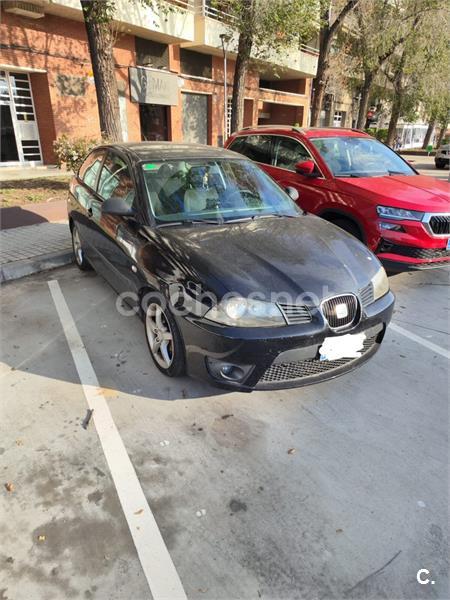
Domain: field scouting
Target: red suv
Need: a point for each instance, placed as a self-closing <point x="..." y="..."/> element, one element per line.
<point x="353" y="180"/>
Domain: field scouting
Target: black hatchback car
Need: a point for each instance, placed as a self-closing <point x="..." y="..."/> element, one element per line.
<point x="234" y="283"/>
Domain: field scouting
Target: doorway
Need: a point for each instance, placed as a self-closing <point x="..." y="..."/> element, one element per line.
<point x="19" y="131"/>
<point x="195" y="118"/>
<point x="154" y="122"/>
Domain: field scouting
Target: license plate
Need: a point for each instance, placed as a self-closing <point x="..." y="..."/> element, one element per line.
<point x="448" y="244"/>
<point x="342" y="346"/>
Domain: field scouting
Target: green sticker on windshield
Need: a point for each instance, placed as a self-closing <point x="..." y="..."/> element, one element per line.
<point x="150" y="167"/>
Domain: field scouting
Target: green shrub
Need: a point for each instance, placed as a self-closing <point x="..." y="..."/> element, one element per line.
<point x="380" y="134"/>
<point x="71" y="152"/>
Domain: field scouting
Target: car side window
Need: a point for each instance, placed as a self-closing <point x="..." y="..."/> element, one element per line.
<point x="238" y="145"/>
<point x="258" y="148"/>
<point x="288" y="152"/>
<point x="115" y="180"/>
<point x="89" y="169"/>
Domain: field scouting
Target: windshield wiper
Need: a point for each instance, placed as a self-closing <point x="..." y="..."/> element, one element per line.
<point x="279" y="215"/>
<point x="348" y="175"/>
<point x="190" y="222"/>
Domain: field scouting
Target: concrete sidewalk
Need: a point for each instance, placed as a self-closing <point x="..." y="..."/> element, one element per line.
<point x="21" y="173"/>
<point x="34" y="248"/>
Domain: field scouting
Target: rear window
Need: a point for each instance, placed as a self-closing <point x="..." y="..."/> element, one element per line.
<point x="89" y="169"/>
<point x="254" y="147"/>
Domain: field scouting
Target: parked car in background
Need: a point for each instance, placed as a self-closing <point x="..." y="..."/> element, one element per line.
<point x="442" y="156"/>
<point x="235" y="284"/>
<point x="360" y="184"/>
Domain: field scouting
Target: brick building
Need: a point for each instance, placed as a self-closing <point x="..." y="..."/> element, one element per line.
<point x="169" y="68"/>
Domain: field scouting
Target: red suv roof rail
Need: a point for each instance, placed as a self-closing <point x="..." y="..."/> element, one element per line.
<point x="290" y="127"/>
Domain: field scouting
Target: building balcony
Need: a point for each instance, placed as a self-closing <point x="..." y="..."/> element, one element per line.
<point x="173" y="25"/>
<point x="211" y="23"/>
<point x="195" y="24"/>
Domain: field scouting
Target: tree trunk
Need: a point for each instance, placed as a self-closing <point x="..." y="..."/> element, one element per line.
<point x="318" y="97"/>
<point x="429" y="133"/>
<point x="101" y="40"/>
<point x="364" y="102"/>
<point x="320" y="83"/>
<point x="240" y="74"/>
<point x="441" y="136"/>
<point x="395" y="115"/>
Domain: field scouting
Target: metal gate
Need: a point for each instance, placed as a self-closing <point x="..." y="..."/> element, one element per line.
<point x="19" y="131"/>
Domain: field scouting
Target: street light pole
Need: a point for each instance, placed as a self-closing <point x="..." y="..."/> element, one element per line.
<point x="224" y="38"/>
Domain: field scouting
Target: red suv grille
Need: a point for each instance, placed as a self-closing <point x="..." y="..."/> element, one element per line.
<point x="440" y="224"/>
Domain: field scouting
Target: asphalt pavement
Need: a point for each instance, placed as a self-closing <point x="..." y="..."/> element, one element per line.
<point x="340" y="490"/>
<point x="425" y="165"/>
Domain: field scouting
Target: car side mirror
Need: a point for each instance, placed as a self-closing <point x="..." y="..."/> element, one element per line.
<point x="118" y="207"/>
<point x="292" y="193"/>
<point x="306" y="167"/>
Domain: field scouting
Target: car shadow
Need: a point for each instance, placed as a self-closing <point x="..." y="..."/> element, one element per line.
<point x="116" y="345"/>
<point x="17" y="216"/>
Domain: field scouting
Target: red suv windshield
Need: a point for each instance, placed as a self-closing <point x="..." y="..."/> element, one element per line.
<point x="360" y="157"/>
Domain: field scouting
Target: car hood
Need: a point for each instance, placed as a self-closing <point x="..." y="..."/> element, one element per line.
<point x="292" y="255"/>
<point x="415" y="192"/>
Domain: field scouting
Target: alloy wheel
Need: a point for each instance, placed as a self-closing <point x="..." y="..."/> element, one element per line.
<point x="77" y="249"/>
<point x="159" y="335"/>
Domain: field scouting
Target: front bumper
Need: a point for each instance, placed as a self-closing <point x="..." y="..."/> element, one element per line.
<point x="282" y="357"/>
<point x="414" y="246"/>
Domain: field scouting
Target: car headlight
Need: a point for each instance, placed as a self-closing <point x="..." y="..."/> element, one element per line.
<point x="380" y="283"/>
<point x="244" y="312"/>
<point x="389" y="212"/>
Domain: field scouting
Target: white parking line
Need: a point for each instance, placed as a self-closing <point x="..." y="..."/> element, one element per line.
<point x="156" y="562"/>
<point x="416" y="338"/>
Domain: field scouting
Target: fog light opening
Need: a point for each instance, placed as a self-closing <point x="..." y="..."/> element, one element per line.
<point x="232" y="372"/>
<point x="228" y="371"/>
<point x="390" y="226"/>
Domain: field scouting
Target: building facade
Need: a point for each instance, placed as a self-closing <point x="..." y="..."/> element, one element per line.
<point x="169" y="71"/>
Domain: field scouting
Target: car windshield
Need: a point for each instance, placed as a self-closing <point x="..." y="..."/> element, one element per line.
<point x="213" y="190"/>
<point x="360" y="157"/>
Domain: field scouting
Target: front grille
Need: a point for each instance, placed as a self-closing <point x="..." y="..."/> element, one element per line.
<point x="348" y="304"/>
<point x="295" y="313"/>
<point x="440" y="224"/>
<point x="307" y="368"/>
<point x="412" y="252"/>
<point x="366" y="294"/>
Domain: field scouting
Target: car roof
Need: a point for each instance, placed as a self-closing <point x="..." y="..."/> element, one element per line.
<point x="308" y="132"/>
<point x="143" y="151"/>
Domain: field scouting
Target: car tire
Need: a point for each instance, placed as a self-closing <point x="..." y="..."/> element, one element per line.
<point x="164" y="339"/>
<point x="78" y="252"/>
<point x="440" y="164"/>
<point x="348" y="226"/>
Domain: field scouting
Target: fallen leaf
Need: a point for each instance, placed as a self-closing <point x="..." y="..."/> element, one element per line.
<point x="19" y="442"/>
<point x="339" y="530"/>
<point x="41" y="538"/>
<point x="291" y="451"/>
<point x="9" y="487"/>
<point x="140" y="511"/>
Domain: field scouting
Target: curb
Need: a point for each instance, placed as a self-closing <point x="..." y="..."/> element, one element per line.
<point x="45" y="262"/>
<point x="417" y="152"/>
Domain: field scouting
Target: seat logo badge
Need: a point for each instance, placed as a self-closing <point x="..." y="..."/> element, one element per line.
<point x="341" y="311"/>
